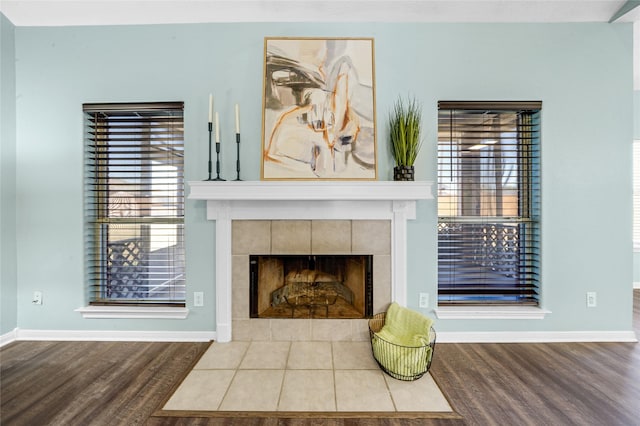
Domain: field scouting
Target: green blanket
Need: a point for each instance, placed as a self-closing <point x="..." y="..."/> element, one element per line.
<point x="402" y="345"/>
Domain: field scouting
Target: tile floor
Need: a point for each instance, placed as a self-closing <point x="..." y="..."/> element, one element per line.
<point x="300" y="376"/>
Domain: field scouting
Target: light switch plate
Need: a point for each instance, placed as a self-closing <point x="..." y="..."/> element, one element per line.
<point x="198" y="298"/>
<point x="424" y="300"/>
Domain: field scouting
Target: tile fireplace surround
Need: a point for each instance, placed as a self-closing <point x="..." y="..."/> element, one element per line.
<point x="321" y="201"/>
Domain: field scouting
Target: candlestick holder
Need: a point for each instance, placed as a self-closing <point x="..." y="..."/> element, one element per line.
<point x="218" y="162"/>
<point x="238" y="156"/>
<point x="210" y="164"/>
<point x="217" y="178"/>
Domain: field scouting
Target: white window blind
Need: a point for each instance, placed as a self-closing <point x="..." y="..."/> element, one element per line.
<point x="134" y="203"/>
<point x="488" y="203"/>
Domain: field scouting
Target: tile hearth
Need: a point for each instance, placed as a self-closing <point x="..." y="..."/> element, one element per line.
<point x="300" y="376"/>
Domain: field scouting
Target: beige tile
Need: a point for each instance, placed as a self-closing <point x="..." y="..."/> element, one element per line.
<point x="308" y="390"/>
<point x="331" y="330"/>
<point x="251" y="329"/>
<point x="289" y="330"/>
<point x="291" y="237"/>
<point x="222" y="356"/>
<point x="201" y="390"/>
<point x="266" y="355"/>
<point x="371" y="237"/>
<point x="331" y="236"/>
<point x="362" y="390"/>
<point x="418" y="395"/>
<point x="381" y="283"/>
<point x="254" y="390"/>
<point x="240" y="270"/>
<point x="240" y="300"/>
<point x="240" y="286"/>
<point x="251" y="236"/>
<point x="353" y="356"/>
<point x="310" y="356"/>
<point x="360" y="330"/>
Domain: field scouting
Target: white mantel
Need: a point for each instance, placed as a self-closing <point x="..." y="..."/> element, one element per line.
<point x="310" y="190"/>
<point x="306" y="200"/>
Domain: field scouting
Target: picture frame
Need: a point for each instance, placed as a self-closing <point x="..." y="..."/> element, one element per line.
<point x="318" y="109"/>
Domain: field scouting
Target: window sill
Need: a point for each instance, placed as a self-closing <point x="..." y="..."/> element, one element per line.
<point x="135" y="312"/>
<point x="491" y="312"/>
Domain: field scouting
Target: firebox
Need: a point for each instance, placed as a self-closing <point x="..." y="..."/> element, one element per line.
<point x="311" y="286"/>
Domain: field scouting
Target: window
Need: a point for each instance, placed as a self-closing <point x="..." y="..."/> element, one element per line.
<point x="134" y="203"/>
<point x="488" y="203"/>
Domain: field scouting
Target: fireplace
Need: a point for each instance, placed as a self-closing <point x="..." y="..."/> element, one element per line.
<point x="390" y="205"/>
<point x="311" y="286"/>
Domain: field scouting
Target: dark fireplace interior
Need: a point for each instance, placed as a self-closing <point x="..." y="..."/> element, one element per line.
<point x="311" y="286"/>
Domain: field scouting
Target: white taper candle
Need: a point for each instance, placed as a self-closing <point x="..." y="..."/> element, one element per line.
<point x="237" y="119"/>
<point x="210" y="108"/>
<point x="217" y="128"/>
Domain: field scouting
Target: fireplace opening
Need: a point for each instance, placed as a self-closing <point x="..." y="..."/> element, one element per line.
<point x="311" y="286"/>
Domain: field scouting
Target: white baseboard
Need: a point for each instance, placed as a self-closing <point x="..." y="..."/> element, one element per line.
<point x="535" y="336"/>
<point x="9" y="337"/>
<point x="205" y="336"/>
<point x="112" y="335"/>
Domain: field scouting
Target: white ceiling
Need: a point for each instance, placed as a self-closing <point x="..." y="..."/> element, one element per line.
<point x="118" y="12"/>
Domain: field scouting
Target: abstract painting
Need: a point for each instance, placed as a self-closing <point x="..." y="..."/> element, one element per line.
<point x="319" y="109"/>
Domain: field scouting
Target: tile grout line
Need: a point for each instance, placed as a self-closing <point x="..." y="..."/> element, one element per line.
<point x="235" y="373"/>
<point x="386" y="383"/>
<point x="335" y="388"/>
<point x="226" y="392"/>
<point x="284" y="373"/>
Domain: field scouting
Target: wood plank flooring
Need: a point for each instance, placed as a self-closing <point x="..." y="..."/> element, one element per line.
<point x="86" y="383"/>
<point x="92" y="383"/>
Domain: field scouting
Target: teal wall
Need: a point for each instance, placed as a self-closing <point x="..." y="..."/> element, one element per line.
<point x="581" y="72"/>
<point x="8" y="242"/>
<point x="636" y="108"/>
<point x="636" y="136"/>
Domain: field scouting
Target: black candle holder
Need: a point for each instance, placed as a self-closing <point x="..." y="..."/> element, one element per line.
<point x="217" y="178"/>
<point x="238" y="156"/>
<point x="210" y="164"/>
<point x="218" y="162"/>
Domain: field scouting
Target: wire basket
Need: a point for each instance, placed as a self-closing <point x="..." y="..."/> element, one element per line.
<point x="400" y="362"/>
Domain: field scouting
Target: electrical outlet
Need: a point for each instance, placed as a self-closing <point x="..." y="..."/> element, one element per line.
<point x="592" y="300"/>
<point x="424" y="300"/>
<point x="37" y="298"/>
<point x="198" y="298"/>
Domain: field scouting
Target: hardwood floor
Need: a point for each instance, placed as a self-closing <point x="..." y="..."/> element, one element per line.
<point x="91" y="383"/>
<point x="83" y="383"/>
